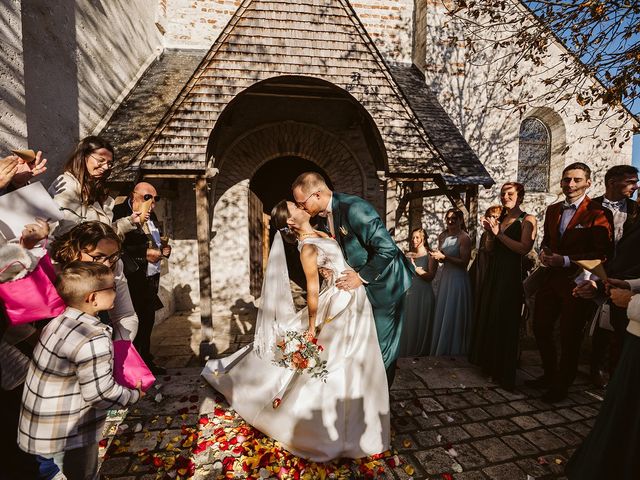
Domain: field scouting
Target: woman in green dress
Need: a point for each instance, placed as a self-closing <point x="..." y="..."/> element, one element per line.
<point x="418" y="322"/>
<point x="495" y="335"/>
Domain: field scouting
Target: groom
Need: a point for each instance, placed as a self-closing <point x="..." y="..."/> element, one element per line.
<point x="376" y="260"/>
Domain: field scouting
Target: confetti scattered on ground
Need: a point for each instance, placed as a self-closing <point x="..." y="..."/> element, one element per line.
<point x="221" y="445"/>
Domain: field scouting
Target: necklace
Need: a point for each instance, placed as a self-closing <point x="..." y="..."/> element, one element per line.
<point x="304" y="235"/>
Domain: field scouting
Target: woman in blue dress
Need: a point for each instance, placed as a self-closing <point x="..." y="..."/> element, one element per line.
<point x="454" y="307"/>
<point x="420" y="303"/>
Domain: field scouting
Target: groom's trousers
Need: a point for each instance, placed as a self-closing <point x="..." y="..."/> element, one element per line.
<point x="389" y="321"/>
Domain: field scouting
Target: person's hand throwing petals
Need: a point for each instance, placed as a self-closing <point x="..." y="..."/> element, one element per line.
<point x="8" y="169"/>
<point x="28" y="170"/>
<point x="585" y="289"/>
<point x="34" y="233"/>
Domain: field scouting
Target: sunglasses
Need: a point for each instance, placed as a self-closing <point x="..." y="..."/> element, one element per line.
<point x="148" y="196"/>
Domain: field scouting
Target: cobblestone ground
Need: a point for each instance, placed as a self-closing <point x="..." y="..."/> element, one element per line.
<point x="449" y="422"/>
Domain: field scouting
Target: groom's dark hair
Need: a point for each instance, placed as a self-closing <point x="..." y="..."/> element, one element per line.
<point x="309" y="181"/>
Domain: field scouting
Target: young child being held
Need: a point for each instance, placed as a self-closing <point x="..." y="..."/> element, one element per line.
<point x="70" y="385"/>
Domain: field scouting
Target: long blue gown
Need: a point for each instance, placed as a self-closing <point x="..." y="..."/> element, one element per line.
<point x="418" y="321"/>
<point x="454" y="307"/>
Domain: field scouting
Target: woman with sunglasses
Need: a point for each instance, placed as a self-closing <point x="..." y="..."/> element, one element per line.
<point x="81" y="190"/>
<point x="96" y="241"/>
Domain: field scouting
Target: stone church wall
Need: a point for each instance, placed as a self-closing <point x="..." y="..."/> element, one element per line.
<point x="197" y="23"/>
<point x="64" y="64"/>
<point x="476" y="104"/>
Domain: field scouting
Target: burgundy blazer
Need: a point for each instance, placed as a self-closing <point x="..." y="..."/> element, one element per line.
<point x="588" y="236"/>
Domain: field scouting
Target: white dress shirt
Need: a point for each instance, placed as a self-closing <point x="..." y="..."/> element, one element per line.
<point x="568" y="211"/>
<point x="619" y="211"/>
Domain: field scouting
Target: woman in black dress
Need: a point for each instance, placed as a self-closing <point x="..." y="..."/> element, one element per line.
<point x="611" y="450"/>
<point x="495" y="335"/>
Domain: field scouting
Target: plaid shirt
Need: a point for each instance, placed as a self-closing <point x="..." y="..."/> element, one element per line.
<point x="70" y="386"/>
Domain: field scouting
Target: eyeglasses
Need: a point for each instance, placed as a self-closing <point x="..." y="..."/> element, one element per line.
<point x="100" y="258"/>
<point x="148" y="196"/>
<point x="302" y="204"/>
<point x="101" y="161"/>
<point x="112" y="287"/>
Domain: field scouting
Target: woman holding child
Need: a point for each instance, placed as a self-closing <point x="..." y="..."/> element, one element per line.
<point x="494" y="341"/>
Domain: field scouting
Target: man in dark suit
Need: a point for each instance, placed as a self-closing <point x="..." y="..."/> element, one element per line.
<point x="621" y="182"/>
<point x="376" y="260"/>
<point x="575" y="229"/>
<point x="142" y="253"/>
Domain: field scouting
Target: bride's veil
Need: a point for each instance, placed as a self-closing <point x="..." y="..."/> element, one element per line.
<point x="276" y="301"/>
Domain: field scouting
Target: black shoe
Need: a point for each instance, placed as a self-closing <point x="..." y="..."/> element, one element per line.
<point x="599" y="379"/>
<point x="554" y="395"/>
<point x="156" y="370"/>
<point x="540" y="382"/>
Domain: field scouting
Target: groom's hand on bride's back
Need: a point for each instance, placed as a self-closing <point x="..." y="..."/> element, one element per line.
<point x="349" y="280"/>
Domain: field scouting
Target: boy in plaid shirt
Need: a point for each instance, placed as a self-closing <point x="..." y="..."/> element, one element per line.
<point x="70" y="385"/>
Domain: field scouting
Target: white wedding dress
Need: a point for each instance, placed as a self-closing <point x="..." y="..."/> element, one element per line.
<point x="348" y="416"/>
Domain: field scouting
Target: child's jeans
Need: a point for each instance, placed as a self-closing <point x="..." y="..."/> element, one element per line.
<point x="79" y="463"/>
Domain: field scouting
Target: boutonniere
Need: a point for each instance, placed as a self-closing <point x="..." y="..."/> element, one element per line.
<point x="343" y="231"/>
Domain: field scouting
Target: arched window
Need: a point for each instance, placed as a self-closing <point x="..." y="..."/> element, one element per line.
<point x="534" y="155"/>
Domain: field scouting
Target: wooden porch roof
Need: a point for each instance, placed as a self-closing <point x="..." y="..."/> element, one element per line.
<point x="321" y="39"/>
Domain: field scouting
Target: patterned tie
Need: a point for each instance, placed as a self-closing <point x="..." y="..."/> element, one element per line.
<point x="613" y="206"/>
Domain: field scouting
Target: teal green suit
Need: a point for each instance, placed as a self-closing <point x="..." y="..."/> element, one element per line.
<point x="369" y="250"/>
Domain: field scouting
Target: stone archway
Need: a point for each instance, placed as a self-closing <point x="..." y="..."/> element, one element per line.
<point x="281" y="127"/>
<point x="252" y="150"/>
<point x="240" y="222"/>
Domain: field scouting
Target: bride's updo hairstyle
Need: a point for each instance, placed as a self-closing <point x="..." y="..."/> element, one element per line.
<point x="279" y="216"/>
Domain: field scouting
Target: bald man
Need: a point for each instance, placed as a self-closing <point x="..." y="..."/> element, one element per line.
<point x="142" y="254"/>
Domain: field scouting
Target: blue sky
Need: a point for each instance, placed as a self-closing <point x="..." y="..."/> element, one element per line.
<point x="636" y="150"/>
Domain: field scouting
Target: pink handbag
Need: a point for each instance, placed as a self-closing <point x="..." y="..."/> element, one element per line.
<point x="32" y="297"/>
<point x="128" y="366"/>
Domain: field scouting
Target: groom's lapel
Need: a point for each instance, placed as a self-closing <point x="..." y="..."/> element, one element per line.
<point x="335" y="211"/>
<point x="337" y="221"/>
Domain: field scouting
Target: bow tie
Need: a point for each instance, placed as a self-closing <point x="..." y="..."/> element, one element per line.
<point x="568" y="207"/>
<point x="611" y="205"/>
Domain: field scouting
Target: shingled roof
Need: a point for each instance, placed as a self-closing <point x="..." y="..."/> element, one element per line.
<point x="320" y="39"/>
<point x="440" y="129"/>
<point x="137" y="116"/>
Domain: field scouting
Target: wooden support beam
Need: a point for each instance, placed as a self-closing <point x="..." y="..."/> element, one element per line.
<point x="416" y="206"/>
<point x="402" y="205"/>
<point x="203" y="234"/>
<point x="471" y="201"/>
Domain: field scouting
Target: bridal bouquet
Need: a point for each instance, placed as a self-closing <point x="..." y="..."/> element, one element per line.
<point x="297" y="353"/>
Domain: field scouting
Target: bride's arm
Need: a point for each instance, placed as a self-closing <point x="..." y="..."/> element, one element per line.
<point x="309" y="258"/>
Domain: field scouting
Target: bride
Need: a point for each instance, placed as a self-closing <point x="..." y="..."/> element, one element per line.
<point x="348" y="416"/>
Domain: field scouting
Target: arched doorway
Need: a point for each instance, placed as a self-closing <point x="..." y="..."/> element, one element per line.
<point x="266" y="137"/>
<point x="270" y="184"/>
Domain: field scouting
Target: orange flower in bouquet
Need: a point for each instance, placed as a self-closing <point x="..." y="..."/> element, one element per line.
<point x="296" y="353"/>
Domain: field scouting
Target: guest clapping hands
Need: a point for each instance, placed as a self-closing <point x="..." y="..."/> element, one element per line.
<point x="494" y="343"/>
<point x="452" y="319"/>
